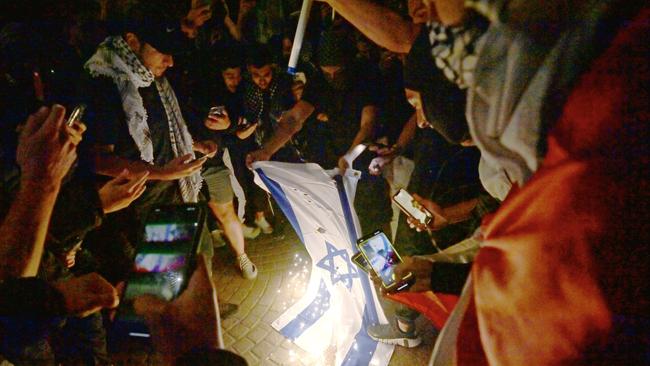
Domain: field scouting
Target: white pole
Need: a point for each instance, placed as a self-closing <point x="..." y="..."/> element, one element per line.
<point x="300" y="34"/>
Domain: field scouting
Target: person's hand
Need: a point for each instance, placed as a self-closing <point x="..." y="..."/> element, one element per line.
<point x="343" y="165"/>
<point x="119" y="192"/>
<point x="245" y="133"/>
<point x="69" y="258"/>
<point x="421" y="270"/>
<point x="257" y="155"/>
<point x="208" y="148"/>
<point x="87" y="294"/>
<point x="438" y="222"/>
<point x="191" y="321"/>
<point x="385" y="156"/>
<point x="218" y="123"/>
<point x="182" y="167"/>
<point x="199" y="14"/>
<point x="47" y="147"/>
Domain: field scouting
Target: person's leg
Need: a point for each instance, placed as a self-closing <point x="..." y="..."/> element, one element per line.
<point x="221" y="205"/>
<point x="225" y="213"/>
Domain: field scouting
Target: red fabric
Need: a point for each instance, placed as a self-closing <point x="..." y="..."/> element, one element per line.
<point x="568" y="252"/>
<point x="436" y="307"/>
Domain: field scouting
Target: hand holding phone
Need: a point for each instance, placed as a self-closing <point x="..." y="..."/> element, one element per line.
<point x="417" y="212"/>
<point x="164" y="261"/>
<point x="382" y="257"/>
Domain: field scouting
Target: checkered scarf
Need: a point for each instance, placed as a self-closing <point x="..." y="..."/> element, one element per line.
<point x="114" y="59"/>
<point x="454" y="50"/>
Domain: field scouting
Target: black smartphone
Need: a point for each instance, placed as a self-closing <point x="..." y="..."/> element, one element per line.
<point x="382" y="257"/>
<point x="76" y="115"/>
<point x="164" y="262"/>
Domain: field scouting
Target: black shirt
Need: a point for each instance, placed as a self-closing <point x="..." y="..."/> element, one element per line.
<point x="344" y="107"/>
<point x="107" y="124"/>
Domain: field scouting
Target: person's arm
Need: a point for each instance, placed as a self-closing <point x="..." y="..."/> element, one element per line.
<point x="112" y="165"/>
<point x="377" y="22"/>
<point x="46" y="151"/>
<point x="367" y="125"/>
<point x="408" y="133"/>
<point x="290" y="124"/>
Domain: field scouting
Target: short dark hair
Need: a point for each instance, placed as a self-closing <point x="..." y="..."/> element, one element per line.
<point x="228" y="56"/>
<point x="259" y="55"/>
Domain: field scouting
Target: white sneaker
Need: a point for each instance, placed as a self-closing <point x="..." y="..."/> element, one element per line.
<point x="250" y="232"/>
<point x="247" y="268"/>
<point x="264" y="225"/>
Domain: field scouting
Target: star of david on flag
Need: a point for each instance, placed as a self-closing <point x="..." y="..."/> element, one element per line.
<point x="340" y="302"/>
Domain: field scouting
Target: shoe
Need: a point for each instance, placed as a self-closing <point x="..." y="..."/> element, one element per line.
<point x="217" y="238"/>
<point x="226" y="310"/>
<point x="389" y="334"/>
<point x="247" y="268"/>
<point x="250" y="232"/>
<point x="264" y="225"/>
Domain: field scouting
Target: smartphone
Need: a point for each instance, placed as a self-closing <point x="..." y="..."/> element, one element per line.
<point x="382" y="257"/>
<point x="164" y="262"/>
<point x="361" y="262"/>
<point x="405" y="201"/>
<point x="76" y="115"/>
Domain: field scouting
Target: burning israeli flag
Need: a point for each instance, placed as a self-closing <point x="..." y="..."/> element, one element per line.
<point x="340" y="301"/>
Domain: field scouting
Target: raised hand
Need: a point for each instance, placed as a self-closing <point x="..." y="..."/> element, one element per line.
<point x="181" y="167"/>
<point x="47" y="147"/>
<point x="119" y="192"/>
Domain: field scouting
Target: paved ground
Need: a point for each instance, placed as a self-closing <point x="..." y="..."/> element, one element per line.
<point x="284" y="267"/>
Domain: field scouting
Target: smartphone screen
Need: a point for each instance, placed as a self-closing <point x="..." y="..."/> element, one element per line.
<point x="405" y="202"/>
<point x="164" y="261"/>
<point x="382" y="257"/>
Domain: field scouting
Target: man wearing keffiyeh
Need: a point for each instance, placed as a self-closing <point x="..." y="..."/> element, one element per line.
<point x="135" y="118"/>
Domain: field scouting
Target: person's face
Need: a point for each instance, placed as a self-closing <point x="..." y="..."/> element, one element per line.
<point x="418" y="12"/>
<point x="261" y="76"/>
<point x="415" y="99"/>
<point x="287" y="44"/>
<point x="157" y="62"/>
<point x="332" y="72"/>
<point x="232" y="78"/>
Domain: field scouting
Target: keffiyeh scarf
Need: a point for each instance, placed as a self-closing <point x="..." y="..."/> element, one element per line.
<point x="114" y="59"/>
<point x="454" y="50"/>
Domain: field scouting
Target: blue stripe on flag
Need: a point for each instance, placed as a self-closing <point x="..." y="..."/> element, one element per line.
<point x="293" y="329"/>
<point x="309" y="315"/>
<point x="364" y="346"/>
<point x="282" y="201"/>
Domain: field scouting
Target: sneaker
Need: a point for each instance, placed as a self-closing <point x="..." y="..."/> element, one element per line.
<point x="247" y="268"/>
<point x="389" y="334"/>
<point x="264" y="225"/>
<point x="250" y="232"/>
<point x="217" y="238"/>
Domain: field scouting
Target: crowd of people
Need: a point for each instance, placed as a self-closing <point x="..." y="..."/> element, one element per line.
<point x="519" y="125"/>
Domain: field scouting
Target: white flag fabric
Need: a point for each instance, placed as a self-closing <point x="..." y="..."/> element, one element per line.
<point x="340" y="301"/>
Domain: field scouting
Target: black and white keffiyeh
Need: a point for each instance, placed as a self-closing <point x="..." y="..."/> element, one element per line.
<point x="114" y="59"/>
<point x="454" y="50"/>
